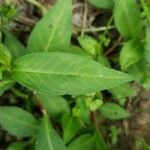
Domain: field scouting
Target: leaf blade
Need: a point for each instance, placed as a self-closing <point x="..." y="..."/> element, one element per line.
<point x="75" y="75"/>
<point x="52" y="28"/>
<point x="17" y="121"/>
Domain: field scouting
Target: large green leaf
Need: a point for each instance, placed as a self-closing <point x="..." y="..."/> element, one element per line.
<point x="54" y="105"/>
<point x="47" y="138"/>
<point x="127" y="18"/>
<point x="16" y="48"/>
<point x="131" y="53"/>
<point x="60" y="73"/>
<point x="53" y="31"/>
<point x="114" y="111"/>
<point x="17" y="121"/>
<point x="102" y="3"/>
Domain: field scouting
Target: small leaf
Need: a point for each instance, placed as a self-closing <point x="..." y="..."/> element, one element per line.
<point x="114" y="111"/>
<point x="102" y="3"/>
<point x="71" y="126"/>
<point x="85" y="141"/>
<point x="5" y="85"/>
<point x="16" y="48"/>
<point x="17" y="121"/>
<point x="47" y="138"/>
<point x="90" y="45"/>
<point x="5" y="56"/>
<point x="131" y="53"/>
<point x="127" y="18"/>
<point x="58" y="73"/>
<point x="55" y="105"/>
<point x="53" y="31"/>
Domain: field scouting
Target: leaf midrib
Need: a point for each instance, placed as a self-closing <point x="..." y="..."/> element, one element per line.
<point x="71" y="75"/>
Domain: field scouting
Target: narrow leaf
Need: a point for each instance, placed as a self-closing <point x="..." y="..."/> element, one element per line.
<point x="147" y="48"/>
<point x="16" y="48"/>
<point x="53" y="31"/>
<point x="5" y="56"/>
<point x="60" y="73"/>
<point x="17" y="121"/>
<point x="127" y="18"/>
<point x="114" y="111"/>
<point x="47" y="138"/>
<point x="71" y="126"/>
<point x="131" y="53"/>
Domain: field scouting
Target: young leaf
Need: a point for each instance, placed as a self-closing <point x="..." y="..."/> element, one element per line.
<point x="53" y="31"/>
<point x="90" y="45"/>
<point x="5" y="85"/>
<point x="55" y="105"/>
<point x="127" y="18"/>
<point x="47" y="138"/>
<point x="102" y="3"/>
<point x="60" y="73"/>
<point x="5" y="56"/>
<point x="71" y="126"/>
<point x="131" y="53"/>
<point x="114" y="111"/>
<point x="85" y="141"/>
<point x="17" y="121"/>
<point x="16" y="48"/>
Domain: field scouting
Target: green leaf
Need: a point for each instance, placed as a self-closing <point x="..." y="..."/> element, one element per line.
<point x="102" y="3"/>
<point x="85" y="141"/>
<point x="17" y="121"/>
<point x="53" y="31"/>
<point x="60" y="73"/>
<point x="71" y="126"/>
<point x="47" y="138"/>
<point x="147" y="49"/>
<point x="5" y="85"/>
<point x="100" y="143"/>
<point x="16" y="48"/>
<point x="17" y="146"/>
<point x="1" y="75"/>
<point x="127" y="18"/>
<point x="114" y="111"/>
<point x="90" y="45"/>
<point x="5" y="56"/>
<point x="54" y="105"/>
<point x="131" y="53"/>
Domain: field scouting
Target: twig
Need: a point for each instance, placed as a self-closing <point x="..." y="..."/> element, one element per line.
<point x="39" y="5"/>
<point x="84" y="17"/>
<point x="94" y="29"/>
<point x="114" y="46"/>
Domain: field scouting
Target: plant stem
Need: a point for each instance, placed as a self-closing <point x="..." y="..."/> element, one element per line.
<point x="94" y="29"/>
<point x="39" y="5"/>
<point x="19" y="94"/>
<point x="84" y="18"/>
